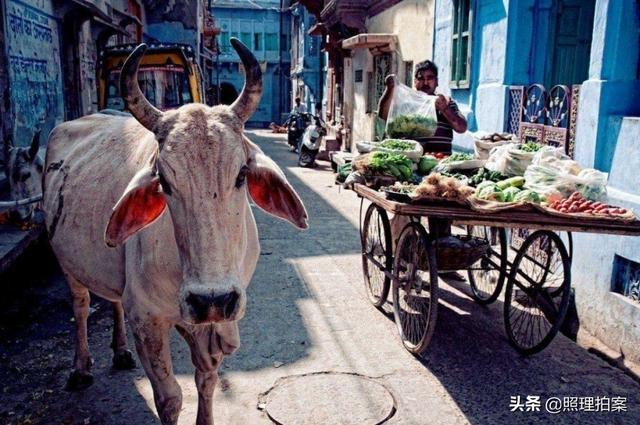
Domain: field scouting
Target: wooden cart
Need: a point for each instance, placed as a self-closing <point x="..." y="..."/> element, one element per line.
<point x="537" y="268"/>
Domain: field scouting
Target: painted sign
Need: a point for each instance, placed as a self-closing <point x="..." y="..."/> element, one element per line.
<point x="35" y="76"/>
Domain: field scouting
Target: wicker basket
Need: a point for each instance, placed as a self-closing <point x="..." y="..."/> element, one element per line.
<point x="460" y="256"/>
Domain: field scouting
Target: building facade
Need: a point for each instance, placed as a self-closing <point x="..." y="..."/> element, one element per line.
<point x="264" y="27"/>
<point x="307" y="60"/>
<point x="365" y="41"/>
<point x="49" y="51"/>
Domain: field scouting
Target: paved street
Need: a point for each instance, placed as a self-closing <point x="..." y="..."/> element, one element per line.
<point x="307" y="313"/>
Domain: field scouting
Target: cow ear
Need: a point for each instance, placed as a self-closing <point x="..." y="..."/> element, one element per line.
<point x="271" y="191"/>
<point x="141" y="204"/>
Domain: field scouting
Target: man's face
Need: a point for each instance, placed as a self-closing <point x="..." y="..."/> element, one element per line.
<point x="426" y="81"/>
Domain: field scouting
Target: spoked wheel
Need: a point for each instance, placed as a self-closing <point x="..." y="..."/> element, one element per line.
<point x="415" y="288"/>
<point x="487" y="275"/>
<point x="376" y="254"/>
<point x="537" y="294"/>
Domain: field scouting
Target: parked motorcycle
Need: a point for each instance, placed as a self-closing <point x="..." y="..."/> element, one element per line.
<point x="296" y="125"/>
<point x="310" y="143"/>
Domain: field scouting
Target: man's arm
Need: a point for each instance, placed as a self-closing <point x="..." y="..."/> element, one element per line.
<point x="385" y="101"/>
<point x="449" y="109"/>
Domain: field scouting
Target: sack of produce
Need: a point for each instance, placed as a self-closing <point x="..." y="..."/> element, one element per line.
<point x="412" y="114"/>
<point x="556" y="183"/>
<point x="459" y="161"/>
<point x="510" y="159"/>
<point x="364" y="146"/>
<point x="485" y="142"/>
<point x="409" y="148"/>
<point x="556" y="158"/>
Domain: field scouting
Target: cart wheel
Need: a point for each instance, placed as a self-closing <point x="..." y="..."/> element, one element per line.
<point x="487" y="275"/>
<point x="537" y="294"/>
<point x="376" y="254"/>
<point x="415" y="288"/>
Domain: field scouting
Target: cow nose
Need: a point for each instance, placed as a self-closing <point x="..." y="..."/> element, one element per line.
<point x="220" y="306"/>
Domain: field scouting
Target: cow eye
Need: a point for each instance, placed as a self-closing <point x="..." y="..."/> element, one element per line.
<point x="24" y="176"/>
<point x="242" y="176"/>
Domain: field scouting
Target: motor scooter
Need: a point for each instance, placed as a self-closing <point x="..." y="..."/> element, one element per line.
<point x="296" y="125"/>
<point x="310" y="143"/>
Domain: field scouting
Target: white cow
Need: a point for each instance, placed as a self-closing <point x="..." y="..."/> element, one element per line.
<point x="175" y="186"/>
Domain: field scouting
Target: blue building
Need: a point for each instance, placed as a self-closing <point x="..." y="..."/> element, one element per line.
<point x="491" y="52"/>
<point x="307" y="59"/>
<point x="264" y="27"/>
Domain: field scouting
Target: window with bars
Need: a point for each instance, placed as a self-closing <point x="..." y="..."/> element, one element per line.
<point x="271" y="41"/>
<point x="257" y="41"/>
<point x="245" y="37"/>
<point x="461" y="48"/>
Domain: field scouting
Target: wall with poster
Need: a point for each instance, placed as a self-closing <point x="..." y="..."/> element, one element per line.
<point x="35" y="76"/>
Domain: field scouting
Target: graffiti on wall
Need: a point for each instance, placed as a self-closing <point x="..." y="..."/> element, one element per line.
<point x="35" y="76"/>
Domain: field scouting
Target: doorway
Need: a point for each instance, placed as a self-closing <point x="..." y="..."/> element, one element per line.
<point x="570" y="41"/>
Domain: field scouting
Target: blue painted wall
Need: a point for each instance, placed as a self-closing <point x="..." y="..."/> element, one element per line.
<point x="258" y="24"/>
<point x="35" y="75"/>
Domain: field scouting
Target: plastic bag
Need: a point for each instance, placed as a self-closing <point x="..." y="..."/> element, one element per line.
<point x="484" y="142"/>
<point x="556" y="182"/>
<point x="509" y="160"/>
<point x="412" y="114"/>
<point x="555" y="158"/>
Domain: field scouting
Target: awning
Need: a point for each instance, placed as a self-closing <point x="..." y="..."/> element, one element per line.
<point x="370" y="41"/>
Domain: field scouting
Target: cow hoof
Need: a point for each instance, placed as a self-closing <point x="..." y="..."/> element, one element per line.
<point x="124" y="361"/>
<point x="78" y="381"/>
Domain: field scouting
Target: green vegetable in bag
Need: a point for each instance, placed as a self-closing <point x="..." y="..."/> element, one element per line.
<point x="426" y="164"/>
<point x="528" y="195"/>
<point x="510" y="193"/>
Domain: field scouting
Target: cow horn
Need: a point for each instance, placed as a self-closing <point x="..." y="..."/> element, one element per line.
<point x="141" y="109"/>
<point x="35" y="145"/>
<point x="247" y="103"/>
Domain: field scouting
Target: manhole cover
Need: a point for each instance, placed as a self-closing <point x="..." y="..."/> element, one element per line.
<point x="328" y="398"/>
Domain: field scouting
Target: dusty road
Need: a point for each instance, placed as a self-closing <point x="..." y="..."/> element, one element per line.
<point x="307" y="313"/>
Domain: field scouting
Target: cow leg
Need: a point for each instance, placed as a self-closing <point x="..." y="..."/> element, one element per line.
<point x="152" y="344"/>
<point x="81" y="376"/>
<point x="206" y="357"/>
<point x="122" y="357"/>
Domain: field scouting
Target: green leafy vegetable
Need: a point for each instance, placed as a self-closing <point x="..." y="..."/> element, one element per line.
<point x="531" y="147"/>
<point x="397" y="145"/>
<point x="396" y="165"/>
<point x="426" y="164"/>
<point x="411" y="126"/>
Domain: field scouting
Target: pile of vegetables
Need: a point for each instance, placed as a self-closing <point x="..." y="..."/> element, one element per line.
<point x="438" y="186"/>
<point x="411" y="126"/>
<point x="458" y="156"/>
<point x="509" y="190"/>
<point x="483" y="175"/>
<point x="396" y="145"/>
<point x="396" y="165"/>
<point x="531" y="147"/>
<point x="576" y="203"/>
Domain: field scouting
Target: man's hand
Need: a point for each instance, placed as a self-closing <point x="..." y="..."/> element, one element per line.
<point x="390" y="81"/>
<point x="442" y="102"/>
